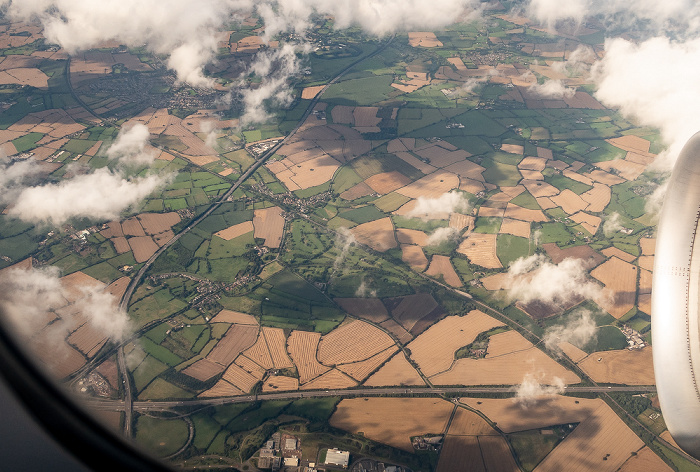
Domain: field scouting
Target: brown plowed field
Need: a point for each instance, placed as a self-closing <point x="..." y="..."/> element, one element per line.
<point x="276" y="342"/>
<point x="260" y="353"/>
<point x="397" y="330"/>
<point x="412" y="160"/>
<point x="411" y="236"/>
<point x="132" y="227"/>
<point x="356" y="191"/>
<point x="378" y="234"/>
<point x="597" y="198"/>
<point x="280" y="383"/>
<point x="441" y="157"/>
<point x="629" y="367"/>
<point x="352" y="342"/>
<point x="154" y="223"/>
<point x="143" y="247"/>
<point x="239" y="378"/>
<point x="414" y="256"/>
<point x="377" y="418"/>
<point x="371" y="309"/>
<point x="203" y="370"/>
<point x="410" y="309"/>
<point x="467" y="423"/>
<point x="515" y="227"/>
<point x="601" y="443"/>
<point x="398" y="371"/>
<point x="360" y="370"/>
<point x="236" y="230"/>
<point x="497" y="455"/>
<point x="269" y="225"/>
<point x="585" y="253"/>
<point x="234" y="317"/>
<point x="431" y="186"/>
<point x="250" y="366"/>
<point x="237" y="339"/>
<point x="511" y="416"/>
<point x="221" y="389"/>
<point x="121" y="245"/>
<point x="434" y="350"/>
<point x="620" y="280"/>
<point x="480" y="249"/>
<point x="569" y="202"/>
<point x="331" y="379"/>
<point x="645" y="460"/>
<point x="461" y="453"/>
<point x="302" y="347"/>
<point x="342" y="114"/>
<point x="366" y="116"/>
<point x="441" y="266"/>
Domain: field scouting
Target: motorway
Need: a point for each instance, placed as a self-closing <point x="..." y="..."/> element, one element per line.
<point x="151" y="405"/>
<point x="124" y="302"/>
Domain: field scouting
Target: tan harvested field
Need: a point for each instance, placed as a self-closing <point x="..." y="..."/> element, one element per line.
<point x="538" y="188"/>
<point x="154" y="223"/>
<point x="371" y="309"/>
<point x="276" y="343"/>
<point x="515" y="227"/>
<point x="377" y="418"/>
<point x="626" y="169"/>
<point x="221" y="389"/>
<point x="569" y="202"/>
<point x="398" y="371"/>
<point x="132" y="227"/>
<point x="239" y="378"/>
<point x="118" y="288"/>
<point x="411" y="236"/>
<point x="513" y="148"/>
<point x="604" y="177"/>
<point x="410" y="309"/>
<point x="646" y="262"/>
<point x="269" y="225"/>
<point x="612" y="251"/>
<point x="467" y="423"/>
<point x="331" y="379"/>
<point x="471" y="186"/>
<point x="357" y="191"/>
<point x="250" y="366"/>
<point x="352" y="342"/>
<point x="260" y="353"/>
<point x="519" y="213"/>
<point x="457" y="62"/>
<point x="438" y="156"/>
<point x="203" y="370"/>
<point x="645" y="460"/>
<point x="481" y="250"/>
<point x="545" y="203"/>
<point x="387" y="182"/>
<point x="601" y="443"/>
<point x="645" y="278"/>
<point x="30" y="76"/>
<point x="441" y="266"/>
<point x="310" y="92"/>
<point x="309" y="173"/>
<point x="497" y="455"/>
<point x="415" y="162"/>
<point x="76" y="282"/>
<point x="620" y="280"/>
<point x="377" y="234"/>
<point x="360" y="370"/>
<point x="434" y="350"/>
<point x="629" y="367"/>
<point x="648" y="246"/>
<point x="397" y="330"/>
<point x="631" y="143"/>
<point x="302" y="347"/>
<point x="414" y="256"/>
<point x="505" y="368"/>
<point x="431" y="186"/>
<point x="87" y="339"/>
<point x="496" y="281"/>
<point x="491" y="211"/>
<point x="234" y="317"/>
<point x="572" y="352"/>
<point x="511" y="416"/>
<point x="459" y="221"/>
<point x="461" y="453"/>
<point x="467" y="169"/>
<point x="237" y="339"/>
<point x="577" y="177"/>
<point x="423" y="38"/>
<point x="644" y="303"/>
<point x="279" y="383"/>
<point x="143" y="247"/>
<point x="533" y="163"/>
<point x="589" y="222"/>
<point x="532" y="175"/>
<point x="235" y="231"/>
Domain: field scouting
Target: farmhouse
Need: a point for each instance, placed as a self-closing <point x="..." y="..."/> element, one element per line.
<point x="337" y="457"/>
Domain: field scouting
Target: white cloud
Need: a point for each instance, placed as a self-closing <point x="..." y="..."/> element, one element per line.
<point x="531" y="390"/>
<point x="441" y="235"/>
<point x="344" y="240"/>
<point x="101" y="195"/>
<point x="612" y="224"/>
<point x="552" y="89"/>
<point x="535" y="278"/>
<point x="14" y="176"/>
<point x="449" y="202"/>
<point x="579" y="331"/>
<point x="363" y="291"/>
<point x="130" y="146"/>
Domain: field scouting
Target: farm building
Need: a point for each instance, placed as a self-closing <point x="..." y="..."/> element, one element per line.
<point x="337" y="457"/>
